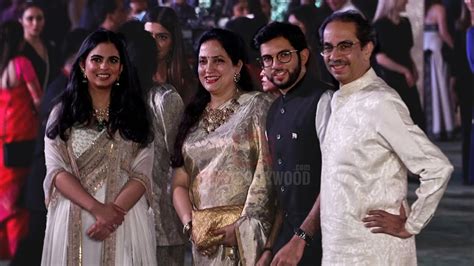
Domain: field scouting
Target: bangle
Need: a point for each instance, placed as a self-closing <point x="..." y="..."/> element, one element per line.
<point x="267" y="249"/>
<point x="303" y="235"/>
<point x="187" y="227"/>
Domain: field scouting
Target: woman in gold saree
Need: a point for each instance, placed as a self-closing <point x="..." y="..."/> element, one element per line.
<point x="222" y="154"/>
<point x="99" y="163"/>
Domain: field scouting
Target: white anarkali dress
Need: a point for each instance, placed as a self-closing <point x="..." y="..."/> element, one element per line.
<point x="368" y="142"/>
<point x="103" y="167"/>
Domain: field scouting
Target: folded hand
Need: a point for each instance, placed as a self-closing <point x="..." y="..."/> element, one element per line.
<point x="108" y="217"/>
<point x="99" y="232"/>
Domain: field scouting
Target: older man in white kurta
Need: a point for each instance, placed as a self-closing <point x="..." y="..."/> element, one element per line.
<point x="368" y="142"/>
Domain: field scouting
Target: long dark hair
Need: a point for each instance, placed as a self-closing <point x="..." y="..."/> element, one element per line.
<point x="179" y="73"/>
<point x="128" y="112"/>
<point x="29" y="5"/>
<point x="140" y="45"/>
<point x="235" y="48"/>
<point x="11" y="37"/>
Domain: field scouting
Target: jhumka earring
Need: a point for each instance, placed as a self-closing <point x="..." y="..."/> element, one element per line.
<point x="84" y="76"/>
<point x="236" y="77"/>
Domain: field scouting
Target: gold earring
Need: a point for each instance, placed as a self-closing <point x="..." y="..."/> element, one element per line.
<point x="84" y="76"/>
<point x="237" y="77"/>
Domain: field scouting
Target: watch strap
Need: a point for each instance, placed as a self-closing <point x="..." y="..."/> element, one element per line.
<point x="303" y="235"/>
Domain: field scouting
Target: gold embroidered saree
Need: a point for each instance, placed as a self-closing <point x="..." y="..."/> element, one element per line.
<point x="103" y="166"/>
<point x="231" y="166"/>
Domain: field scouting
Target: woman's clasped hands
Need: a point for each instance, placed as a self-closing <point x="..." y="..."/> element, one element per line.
<point x="108" y="217"/>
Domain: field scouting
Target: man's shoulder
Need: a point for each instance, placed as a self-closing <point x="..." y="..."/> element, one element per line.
<point x="315" y="87"/>
<point x="379" y="93"/>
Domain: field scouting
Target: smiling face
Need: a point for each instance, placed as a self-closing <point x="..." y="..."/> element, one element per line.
<point x="284" y="75"/>
<point x="32" y="22"/>
<point x="102" y="66"/>
<point x="351" y="64"/>
<point x="162" y="38"/>
<point x="215" y="68"/>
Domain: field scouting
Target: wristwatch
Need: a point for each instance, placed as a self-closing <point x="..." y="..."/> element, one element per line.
<point x="303" y="235"/>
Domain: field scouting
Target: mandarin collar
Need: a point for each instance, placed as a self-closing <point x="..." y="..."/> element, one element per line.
<point x="304" y="84"/>
<point x="358" y="84"/>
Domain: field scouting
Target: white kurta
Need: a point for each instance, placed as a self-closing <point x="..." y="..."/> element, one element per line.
<point x="368" y="144"/>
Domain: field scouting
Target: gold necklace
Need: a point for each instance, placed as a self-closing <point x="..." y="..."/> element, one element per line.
<point x="101" y="117"/>
<point x="213" y="118"/>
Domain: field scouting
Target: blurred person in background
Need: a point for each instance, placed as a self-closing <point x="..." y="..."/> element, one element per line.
<point x="246" y="18"/>
<point x="267" y="85"/>
<point x="75" y="9"/>
<point x="308" y="18"/>
<point x="20" y="94"/>
<point x="341" y="5"/>
<point x="393" y="54"/>
<point x="12" y="11"/>
<point x="234" y="9"/>
<point x="266" y="6"/>
<point x="367" y="7"/>
<point x="31" y="246"/>
<point x="439" y="111"/>
<point x="463" y="84"/>
<point x="57" y="24"/>
<point x="184" y="11"/>
<point x="106" y="14"/>
<point x="138" y="9"/>
<point x="166" y="108"/>
<point x="470" y="58"/>
<point x="173" y="67"/>
<point x="39" y="51"/>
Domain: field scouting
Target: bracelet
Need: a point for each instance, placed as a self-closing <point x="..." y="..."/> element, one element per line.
<point x="303" y="235"/>
<point x="187" y="227"/>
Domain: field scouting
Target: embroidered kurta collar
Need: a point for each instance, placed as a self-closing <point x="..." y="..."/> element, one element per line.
<point x="358" y="84"/>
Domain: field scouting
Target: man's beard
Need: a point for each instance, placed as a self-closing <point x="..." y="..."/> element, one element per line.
<point x="293" y="77"/>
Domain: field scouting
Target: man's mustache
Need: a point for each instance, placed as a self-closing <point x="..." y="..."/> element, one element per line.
<point x="338" y="62"/>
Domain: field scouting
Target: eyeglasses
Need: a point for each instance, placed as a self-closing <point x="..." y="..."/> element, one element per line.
<point x="344" y="48"/>
<point x="282" y="57"/>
